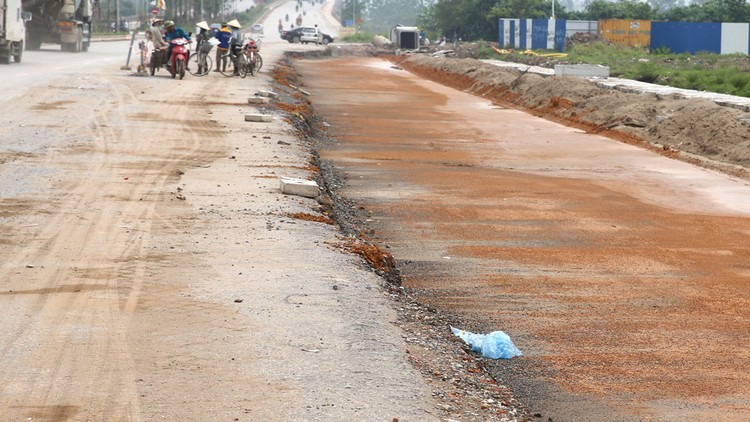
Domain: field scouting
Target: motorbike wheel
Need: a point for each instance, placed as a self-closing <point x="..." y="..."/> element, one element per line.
<point x="258" y="62"/>
<point x="180" y="68"/>
<point x="152" y="66"/>
<point x="243" y="65"/>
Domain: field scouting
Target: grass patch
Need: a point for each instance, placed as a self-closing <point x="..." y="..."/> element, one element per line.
<point x="727" y="74"/>
<point x="361" y="36"/>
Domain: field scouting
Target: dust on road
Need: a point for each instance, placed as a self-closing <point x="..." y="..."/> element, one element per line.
<point x="621" y="274"/>
<point x="151" y="269"/>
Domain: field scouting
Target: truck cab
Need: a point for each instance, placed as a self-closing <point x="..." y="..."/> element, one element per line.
<point x="12" y="30"/>
<point x="64" y="22"/>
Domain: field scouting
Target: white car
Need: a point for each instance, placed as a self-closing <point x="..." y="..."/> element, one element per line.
<point x="311" y="35"/>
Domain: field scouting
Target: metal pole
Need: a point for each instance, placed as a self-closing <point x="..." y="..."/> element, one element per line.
<point x="130" y="50"/>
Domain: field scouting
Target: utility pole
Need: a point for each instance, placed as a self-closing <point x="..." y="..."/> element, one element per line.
<point x="553" y="9"/>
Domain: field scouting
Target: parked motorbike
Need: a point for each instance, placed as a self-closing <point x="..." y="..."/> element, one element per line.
<point x="180" y="55"/>
<point x="254" y="61"/>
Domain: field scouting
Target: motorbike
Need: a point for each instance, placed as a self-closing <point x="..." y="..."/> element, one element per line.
<point x="254" y="61"/>
<point x="180" y="55"/>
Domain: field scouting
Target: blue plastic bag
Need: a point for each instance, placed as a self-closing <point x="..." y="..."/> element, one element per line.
<point x="494" y="345"/>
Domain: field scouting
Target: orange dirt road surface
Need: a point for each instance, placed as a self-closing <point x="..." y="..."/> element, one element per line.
<point x="622" y="275"/>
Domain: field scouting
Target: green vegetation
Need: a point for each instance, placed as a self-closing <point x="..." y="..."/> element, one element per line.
<point x="484" y="51"/>
<point x="185" y="13"/>
<point x="477" y="19"/>
<point x="361" y="36"/>
<point x="251" y="15"/>
<point x="727" y="74"/>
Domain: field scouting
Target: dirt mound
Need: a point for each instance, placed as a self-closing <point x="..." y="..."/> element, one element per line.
<point x="698" y="131"/>
<point x="584" y="38"/>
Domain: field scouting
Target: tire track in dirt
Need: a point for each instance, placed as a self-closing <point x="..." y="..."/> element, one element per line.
<point x="84" y="263"/>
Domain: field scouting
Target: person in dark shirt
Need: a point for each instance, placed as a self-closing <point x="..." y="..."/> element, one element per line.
<point x="173" y="33"/>
<point x="224" y="36"/>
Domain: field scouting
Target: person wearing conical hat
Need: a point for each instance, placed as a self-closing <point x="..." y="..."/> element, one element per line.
<point x="238" y="39"/>
<point x="202" y="46"/>
<point x="156" y="34"/>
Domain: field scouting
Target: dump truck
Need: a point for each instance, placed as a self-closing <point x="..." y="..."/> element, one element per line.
<point x="64" y="22"/>
<point x="11" y="31"/>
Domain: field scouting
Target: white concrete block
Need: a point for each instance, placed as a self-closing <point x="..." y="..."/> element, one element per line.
<point x="258" y="100"/>
<point x="258" y="118"/>
<point x="267" y="94"/>
<point x="582" y="70"/>
<point x="299" y="187"/>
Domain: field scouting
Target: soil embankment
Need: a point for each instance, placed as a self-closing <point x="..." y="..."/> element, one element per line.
<point x="699" y="131"/>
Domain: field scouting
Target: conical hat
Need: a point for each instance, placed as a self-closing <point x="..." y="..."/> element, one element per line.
<point x="234" y="23"/>
<point x="203" y="25"/>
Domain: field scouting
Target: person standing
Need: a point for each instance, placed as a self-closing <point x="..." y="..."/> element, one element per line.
<point x="235" y="45"/>
<point x="238" y="38"/>
<point x="317" y="35"/>
<point x="202" y="46"/>
<point x="224" y="36"/>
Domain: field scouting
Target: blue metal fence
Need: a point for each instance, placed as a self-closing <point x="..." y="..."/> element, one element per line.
<point x="678" y="37"/>
<point x="686" y="37"/>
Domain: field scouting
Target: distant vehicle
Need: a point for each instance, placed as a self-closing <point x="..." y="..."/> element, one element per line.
<point x="257" y="28"/>
<point x="305" y="35"/>
<point x="12" y="30"/>
<point x="64" y="22"/>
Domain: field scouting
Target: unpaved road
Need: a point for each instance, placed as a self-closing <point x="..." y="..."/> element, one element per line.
<point x="149" y="268"/>
<point x="621" y="274"/>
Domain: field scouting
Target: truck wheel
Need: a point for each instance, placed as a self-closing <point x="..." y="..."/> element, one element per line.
<point x="17" y="56"/>
<point x="4" y="59"/>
